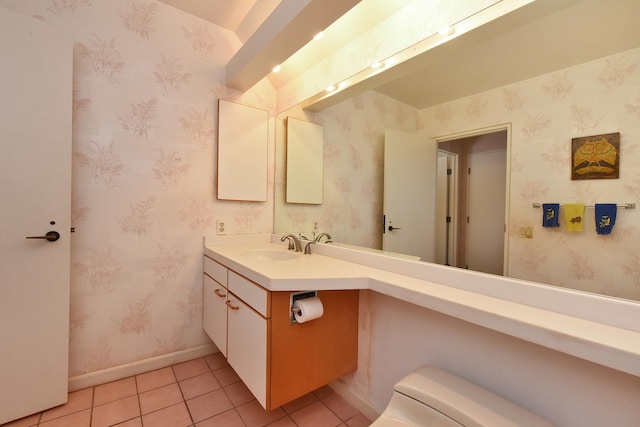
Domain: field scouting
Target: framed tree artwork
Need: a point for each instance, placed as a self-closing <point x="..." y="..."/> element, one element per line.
<point x="596" y="157"/>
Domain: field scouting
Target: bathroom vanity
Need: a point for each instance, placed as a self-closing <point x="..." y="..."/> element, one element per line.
<point x="278" y="359"/>
<point x="269" y="352"/>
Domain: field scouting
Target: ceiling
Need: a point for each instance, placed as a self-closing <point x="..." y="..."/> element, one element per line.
<point x="228" y="14"/>
<point x="275" y="31"/>
<point x="541" y="37"/>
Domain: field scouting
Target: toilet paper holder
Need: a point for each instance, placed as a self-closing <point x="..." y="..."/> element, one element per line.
<point x="295" y="296"/>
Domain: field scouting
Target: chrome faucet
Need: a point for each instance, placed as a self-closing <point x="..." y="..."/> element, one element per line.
<point x="294" y="242"/>
<point x="307" y="246"/>
<point x="321" y="235"/>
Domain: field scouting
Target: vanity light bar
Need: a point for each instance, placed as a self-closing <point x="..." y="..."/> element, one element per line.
<point x="622" y="206"/>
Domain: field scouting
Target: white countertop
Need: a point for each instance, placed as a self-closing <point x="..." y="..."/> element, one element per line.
<point x="602" y="330"/>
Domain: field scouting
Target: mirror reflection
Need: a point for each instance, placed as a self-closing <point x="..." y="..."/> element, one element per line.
<point x="543" y="112"/>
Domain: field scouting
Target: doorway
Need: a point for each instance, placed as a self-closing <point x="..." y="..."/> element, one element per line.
<point x="478" y="202"/>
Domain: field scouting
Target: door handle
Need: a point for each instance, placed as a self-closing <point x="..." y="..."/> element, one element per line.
<point x="51" y="236"/>
<point x="391" y="228"/>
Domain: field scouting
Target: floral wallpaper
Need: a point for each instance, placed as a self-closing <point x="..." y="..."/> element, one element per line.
<point x="147" y="79"/>
<point x="545" y="112"/>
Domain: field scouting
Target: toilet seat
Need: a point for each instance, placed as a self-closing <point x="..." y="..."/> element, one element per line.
<point x="433" y="397"/>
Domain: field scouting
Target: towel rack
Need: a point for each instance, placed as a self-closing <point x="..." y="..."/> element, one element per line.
<point x="622" y="206"/>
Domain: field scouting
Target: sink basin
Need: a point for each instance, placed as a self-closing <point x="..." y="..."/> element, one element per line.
<point x="270" y="255"/>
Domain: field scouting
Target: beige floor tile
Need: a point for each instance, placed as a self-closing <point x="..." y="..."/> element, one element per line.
<point x="154" y="379"/>
<point x="78" y="400"/>
<point x="216" y="361"/>
<point x="172" y="416"/>
<point x="136" y="422"/>
<point x="323" y="392"/>
<point x="300" y="402"/>
<point x="238" y="393"/>
<point x="282" y="422"/>
<point x="191" y="368"/>
<point x="230" y="418"/>
<point x="254" y="415"/>
<point x="315" y="415"/>
<point x="199" y="385"/>
<point x="343" y="409"/>
<point x="209" y="405"/>
<point x="226" y="376"/>
<point x="359" y="421"/>
<point x="77" y="419"/>
<point x="115" y="412"/>
<point x="159" y="398"/>
<point x="204" y="392"/>
<point x="115" y="390"/>
<point x="30" y="421"/>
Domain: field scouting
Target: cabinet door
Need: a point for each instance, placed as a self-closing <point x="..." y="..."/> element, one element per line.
<point x="247" y="346"/>
<point x="214" y="317"/>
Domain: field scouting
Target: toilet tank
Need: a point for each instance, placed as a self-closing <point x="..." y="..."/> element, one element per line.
<point x="462" y="401"/>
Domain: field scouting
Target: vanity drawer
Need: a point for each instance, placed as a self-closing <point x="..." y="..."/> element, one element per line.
<point x="254" y="295"/>
<point x="216" y="271"/>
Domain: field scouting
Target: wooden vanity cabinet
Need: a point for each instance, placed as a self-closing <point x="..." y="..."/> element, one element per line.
<point x="306" y="356"/>
<point x="279" y="361"/>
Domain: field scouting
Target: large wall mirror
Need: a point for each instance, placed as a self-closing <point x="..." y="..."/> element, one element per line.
<point x="530" y="81"/>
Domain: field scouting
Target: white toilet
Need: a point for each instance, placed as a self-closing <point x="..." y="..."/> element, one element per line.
<point x="432" y="397"/>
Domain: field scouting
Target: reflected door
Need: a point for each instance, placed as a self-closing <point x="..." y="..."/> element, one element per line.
<point x="409" y="194"/>
<point x="446" y="217"/>
<point x="35" y="189"/>
<point x="486" y="211"/>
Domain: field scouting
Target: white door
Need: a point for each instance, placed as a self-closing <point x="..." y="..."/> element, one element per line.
<point x="35" y="194"/>
<point x="486" y="211"/>
<point x="446" y="217"/>
<point x="409" y="194"/>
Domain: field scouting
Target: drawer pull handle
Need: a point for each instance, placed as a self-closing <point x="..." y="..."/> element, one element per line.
<point x="231" y="306"/>
<point x="219" y="293"/>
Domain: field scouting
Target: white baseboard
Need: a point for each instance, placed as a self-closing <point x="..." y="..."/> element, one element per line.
<point x="355" y="400"/>
<point x="103" y="376"/>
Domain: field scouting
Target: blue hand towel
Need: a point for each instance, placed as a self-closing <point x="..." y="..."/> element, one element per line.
<point x="605" y="217"/>
<point x="550" y="213"/>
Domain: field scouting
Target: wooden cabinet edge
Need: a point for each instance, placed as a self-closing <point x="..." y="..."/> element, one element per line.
<point x="307" y="356"/>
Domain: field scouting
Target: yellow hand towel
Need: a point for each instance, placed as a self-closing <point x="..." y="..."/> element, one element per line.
<point x="573" y="216"/>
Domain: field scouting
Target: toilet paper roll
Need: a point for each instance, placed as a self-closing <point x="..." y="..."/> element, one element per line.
<point x="307" y="309"/>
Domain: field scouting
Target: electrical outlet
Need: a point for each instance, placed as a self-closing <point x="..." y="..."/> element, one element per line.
<point x="220" y="229"/>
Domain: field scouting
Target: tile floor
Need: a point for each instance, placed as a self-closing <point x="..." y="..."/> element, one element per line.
<point x="204" y="392"/>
